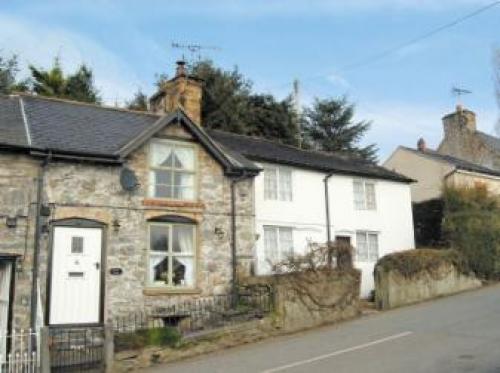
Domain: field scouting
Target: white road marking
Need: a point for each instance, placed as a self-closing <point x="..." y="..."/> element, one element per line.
<point x="339" y="352"/>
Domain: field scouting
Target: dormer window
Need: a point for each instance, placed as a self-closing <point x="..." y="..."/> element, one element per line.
<point x="172" y="170"/>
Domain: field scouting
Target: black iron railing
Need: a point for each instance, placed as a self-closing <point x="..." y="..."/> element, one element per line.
<point x="76" y="349"/>
<point x="200" y="314"/>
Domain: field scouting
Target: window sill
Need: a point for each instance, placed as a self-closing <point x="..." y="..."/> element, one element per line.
<point x="155" y="202"/>
<point x="169" y="291"/>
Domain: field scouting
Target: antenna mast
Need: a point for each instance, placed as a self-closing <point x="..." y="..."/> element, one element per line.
<point x="194" y="49"/>
<point x="458" y="93"/>
<point x="298" y="111"/>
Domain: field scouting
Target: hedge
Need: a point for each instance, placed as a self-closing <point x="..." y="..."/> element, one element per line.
<point x="411" y="263"/>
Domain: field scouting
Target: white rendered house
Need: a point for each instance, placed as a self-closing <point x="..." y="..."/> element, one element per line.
<point x="368" y="205"/>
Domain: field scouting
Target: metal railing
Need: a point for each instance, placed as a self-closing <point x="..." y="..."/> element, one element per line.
<point x="200" y="314"/>
<point x="76" y="348"/>
<point x="19" y="351"/>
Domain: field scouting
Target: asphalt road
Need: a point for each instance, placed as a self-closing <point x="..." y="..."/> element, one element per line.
<point x="460" y="333"/>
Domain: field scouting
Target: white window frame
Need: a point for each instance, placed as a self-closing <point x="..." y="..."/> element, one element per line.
<point x="278" y="193"/>
<point x="279" y="248"/>
<point x="170" y="254"/>
<point x="372" y="251"/>
<point x="193" y="172"/>
<point x="365" y="201"/>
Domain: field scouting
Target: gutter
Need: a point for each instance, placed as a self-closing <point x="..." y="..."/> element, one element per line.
<point x="234" y="260"/>
<point x="38" y="231"/>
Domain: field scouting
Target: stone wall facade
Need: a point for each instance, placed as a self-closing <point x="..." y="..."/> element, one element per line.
<point x="462" y="141"/>
<point x="93" y="191"/>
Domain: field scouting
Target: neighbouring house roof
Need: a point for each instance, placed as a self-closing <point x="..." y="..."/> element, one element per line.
<point x="492" y="141"/>
<point x="45" y="124"/>
<point x="458" y="163"/>
<point x="259" y="149"/>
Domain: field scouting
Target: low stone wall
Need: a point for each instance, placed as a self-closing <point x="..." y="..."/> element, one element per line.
<point x="301" y="300"/>
<point x="311" y="298"/>
<point x="392" y="289"/>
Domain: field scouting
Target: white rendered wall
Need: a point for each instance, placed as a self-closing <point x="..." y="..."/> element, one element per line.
<point x="392" y="219"/>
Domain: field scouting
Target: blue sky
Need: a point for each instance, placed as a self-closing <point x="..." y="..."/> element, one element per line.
<point x="274" y="41"/>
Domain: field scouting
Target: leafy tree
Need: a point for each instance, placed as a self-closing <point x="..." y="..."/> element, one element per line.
<point x="139" y="102"/>
<point x="53" y="83"/>
<point x="9" y="67"/>
<point x="329" y="126"/>
<point x="229" y="105"/>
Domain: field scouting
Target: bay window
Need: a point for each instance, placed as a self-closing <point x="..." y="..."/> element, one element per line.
<point x="172" y="170"/>
<point x="172" y="255"/>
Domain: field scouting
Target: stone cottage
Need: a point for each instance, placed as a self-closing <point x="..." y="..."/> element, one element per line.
<point x="108" y="211"/>
<point x="464" y="141"/>
<point x="465" y="157"/>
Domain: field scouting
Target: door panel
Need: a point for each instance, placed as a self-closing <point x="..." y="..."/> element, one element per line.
<point x="76" y="276"/>
<point x="5" y="279"/>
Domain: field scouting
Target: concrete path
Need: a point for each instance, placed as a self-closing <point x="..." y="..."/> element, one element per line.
<point x="460" y="333"/>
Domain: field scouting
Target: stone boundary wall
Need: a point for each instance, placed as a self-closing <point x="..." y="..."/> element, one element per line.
<point x="301" y="300"/>
<point x="393" y="289"/>
<point x="311" y="298"/>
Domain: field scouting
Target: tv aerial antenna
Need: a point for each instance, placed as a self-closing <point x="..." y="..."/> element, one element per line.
<point x="458" y="93"/>
<point x="194" y="50"/>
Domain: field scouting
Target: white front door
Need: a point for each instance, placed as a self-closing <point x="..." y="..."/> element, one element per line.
<point x="5" y="273"/>
<point x="75" y="294"/>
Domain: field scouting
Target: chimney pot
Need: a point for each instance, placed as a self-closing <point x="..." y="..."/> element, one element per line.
<point x="421" y="146"/>
<point x="181" y="68"/>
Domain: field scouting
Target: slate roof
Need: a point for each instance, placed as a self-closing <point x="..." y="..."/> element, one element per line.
<point x="65" y="126"/>
<point x="11" y="122"/>
<point x="492" y="141"/>
<point x="459" y="163"/>
<point x="259" y="149"/>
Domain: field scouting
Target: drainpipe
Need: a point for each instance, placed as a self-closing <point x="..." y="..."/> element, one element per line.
<point x="234" y="259"/>
<point x="327" y="210"/>
<point x="38" y="231"/>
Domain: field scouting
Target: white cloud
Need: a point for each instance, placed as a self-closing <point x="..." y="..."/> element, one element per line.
<point x="38" y="44"/>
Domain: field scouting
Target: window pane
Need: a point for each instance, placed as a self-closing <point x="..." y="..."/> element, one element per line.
<point x="361" y="246"/>
<point x="158" y="238"/>
<point x="183" y="179"/>
<point x="158" y="268"/>
<point x="161" y="155"/>
<point x="286" y="243"/>
<point x="285" y="184"/>
<point x="271" y="244"/>
<point x="161" y="184"/>
<point x="182" y="271"/>
<point x="184" y="158"/>
<point x="76" y="245"/>
<point x="270" y="183"/>
<point x="359" y="195"/>
<point x="163" y="177"/>
<point x="182" y="239"/>
<point x="370" y="196"/>
<point x="163" y="191"/>
<point x="373" y="246"/>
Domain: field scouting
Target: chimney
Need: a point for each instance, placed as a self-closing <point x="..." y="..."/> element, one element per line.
<point x="421" y="146"/>
<point x="182" y="91"/>
<point x="461" y="119"/>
